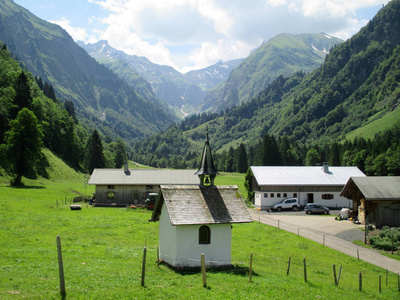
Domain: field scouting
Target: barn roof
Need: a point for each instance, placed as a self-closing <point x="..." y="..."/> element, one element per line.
<point x="142" y="177"/>
<point x="303" y="176"/>
<point x="193" y="204"/>
<point x="376" y="188"/>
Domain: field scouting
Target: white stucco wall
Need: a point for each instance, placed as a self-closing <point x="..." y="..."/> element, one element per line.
<point x="179" y="245"/>
<point x="339" y="202"/>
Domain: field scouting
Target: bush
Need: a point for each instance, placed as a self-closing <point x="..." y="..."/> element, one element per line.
<point x="384" y="240"/>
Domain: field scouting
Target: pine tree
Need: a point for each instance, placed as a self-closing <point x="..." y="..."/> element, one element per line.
<point x="241" y="159"/>
<point x="23" y="96"/>
<point x="119" y="153"/>
<point x="94" y="153"/>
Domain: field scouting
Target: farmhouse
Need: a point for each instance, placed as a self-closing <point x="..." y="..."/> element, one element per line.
<point x="376" y="199"/>
<point x="196" y="219"/>
<point x="321" y="184"/>
<point x="121" y="187"/>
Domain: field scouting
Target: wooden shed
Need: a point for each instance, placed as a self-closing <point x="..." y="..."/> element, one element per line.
<point x="377" y="199"/>
<point x="121" y="187"/>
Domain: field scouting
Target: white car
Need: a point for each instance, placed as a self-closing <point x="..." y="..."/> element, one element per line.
<point x="288" y="203"/>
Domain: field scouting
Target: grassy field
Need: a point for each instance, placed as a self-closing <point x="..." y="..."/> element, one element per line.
<point x="103" y="248"/>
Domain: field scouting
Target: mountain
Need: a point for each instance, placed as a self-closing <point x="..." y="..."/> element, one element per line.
<point x="209" y="77"/>
<point x="102" y="99"/>
<point x="284" y="55"/>
<point x="176" y="89"/>
<point x="355" y="90"/>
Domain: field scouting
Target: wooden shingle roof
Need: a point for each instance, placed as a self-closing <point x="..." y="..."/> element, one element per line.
<point x="193" y="204"/>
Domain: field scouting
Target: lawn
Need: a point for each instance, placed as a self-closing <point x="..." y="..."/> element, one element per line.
<point x="103" y="249"/>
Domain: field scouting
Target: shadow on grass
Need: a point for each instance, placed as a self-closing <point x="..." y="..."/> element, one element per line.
<point x="25" y="187"/>
<point x="229" y="269"/>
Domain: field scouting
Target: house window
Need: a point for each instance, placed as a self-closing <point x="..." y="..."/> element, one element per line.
<point x="272" y="195"/>
<point x="204" y="235"/>
<point x="111" y="187"/>
<point x="149" y="187"/>
<point x="110" y="195"/>
<point x="327" y="196"/>
<point x="294" y="195"/>
<point x="265" y="195"/>
<point x="278" y="195"/>
<point x="284" y="195"/>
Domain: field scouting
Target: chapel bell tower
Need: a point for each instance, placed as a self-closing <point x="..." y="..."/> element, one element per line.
<point x="207" y="170"/>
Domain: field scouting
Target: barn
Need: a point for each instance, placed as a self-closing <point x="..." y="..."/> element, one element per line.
<point x="122" y="187"/>
<point x="376" y="199"/>
<point x="196" y="219"/>
<point x="316" y="184"/>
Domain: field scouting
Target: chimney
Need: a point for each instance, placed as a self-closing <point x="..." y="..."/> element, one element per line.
<point x="126" y="170"/>
<point x="325" y="166"/>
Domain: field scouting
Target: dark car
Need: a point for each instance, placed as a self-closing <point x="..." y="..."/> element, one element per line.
<point x="314" y="208"/>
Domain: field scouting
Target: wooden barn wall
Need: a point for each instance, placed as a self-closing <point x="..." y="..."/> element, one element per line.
<point x="124" y="194"/>
<point x="385" y="213"/>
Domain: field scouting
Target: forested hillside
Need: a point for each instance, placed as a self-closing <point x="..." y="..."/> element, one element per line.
<point x="29" y="121"/>
<point x="357" y="85"/>
<point x="101" y="98"/>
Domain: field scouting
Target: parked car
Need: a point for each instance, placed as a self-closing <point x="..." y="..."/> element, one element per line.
<point x="288" y="203"/>
<point x="313" y="208"/>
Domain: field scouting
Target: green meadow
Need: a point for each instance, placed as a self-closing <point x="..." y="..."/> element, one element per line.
<point x="103" y="250"/>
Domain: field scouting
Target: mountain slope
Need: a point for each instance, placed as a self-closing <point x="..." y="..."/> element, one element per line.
<point x="356" y="87"/>
<point x="99" y="95"/>
<point x="281" y="55"/>
<point x="160" y="81"/>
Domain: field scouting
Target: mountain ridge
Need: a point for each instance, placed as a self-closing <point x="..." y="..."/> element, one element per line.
<point x="166" y="83"/>
<point x="283" y="54"/>
<point x="101" y="98"/>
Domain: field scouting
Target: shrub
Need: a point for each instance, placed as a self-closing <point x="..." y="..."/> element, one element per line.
<point x="384" y="240"/>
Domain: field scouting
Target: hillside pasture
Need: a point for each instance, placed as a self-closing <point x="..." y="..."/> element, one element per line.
<point x="103" y="249"/>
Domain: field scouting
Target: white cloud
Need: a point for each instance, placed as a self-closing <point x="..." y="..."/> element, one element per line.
<point x="215" y="29"/>
<point x="77" y="33"/>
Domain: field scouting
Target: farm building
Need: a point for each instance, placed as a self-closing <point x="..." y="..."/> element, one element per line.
<point x="376" y="199"/>
<point x="196" y="219"/>
<point x="121" y="187"/>
<point x="321" y="184"/>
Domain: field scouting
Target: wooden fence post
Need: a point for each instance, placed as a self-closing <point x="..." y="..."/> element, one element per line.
<point x="380" y="283"/>
<point x="203" y="270"/>
<point x="158" y="256"/>
<point x="144" y="266"/>
<point x="360" y="281"/>
<point x="288" y="266"/>
<point x="305" y="269"/>
<point x="323" y="242"/>
<point x="251" y="266"/>
<point x="387" y="273"/>
<point x="358" y="254"/>
<point x="340" y="272"/>
<point x="398" y="282"/>
<point x="60" y="267"/>
<point x="334" y="274"/>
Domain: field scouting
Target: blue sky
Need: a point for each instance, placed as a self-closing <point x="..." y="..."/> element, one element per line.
<point x="193" y="34"/>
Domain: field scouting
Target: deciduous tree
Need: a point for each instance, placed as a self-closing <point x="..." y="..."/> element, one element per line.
<point x="23" y="144"/>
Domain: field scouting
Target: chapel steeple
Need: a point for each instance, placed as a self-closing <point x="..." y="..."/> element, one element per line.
<point x="207" y="170"/>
